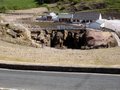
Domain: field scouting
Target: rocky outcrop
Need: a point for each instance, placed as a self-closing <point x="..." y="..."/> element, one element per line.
<point x="86" y="39"/>
<point x="17" y="33"/>
<point x="86" y="6"/>
<point x="73" y="6"/>
<point x="80" y="39"/>
<point x="57" y="40"/>
<point x="99" y="39"/>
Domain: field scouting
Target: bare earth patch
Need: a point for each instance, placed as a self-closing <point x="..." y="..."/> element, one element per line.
<point x="12" y="53"/>
<point x="33" y="10"/>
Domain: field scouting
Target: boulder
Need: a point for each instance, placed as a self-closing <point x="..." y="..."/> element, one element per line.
<point x="44" y="38"/>
<point x="20" y="34"/>
<point x="97" y="39"/>
<point x="58" y="40"/>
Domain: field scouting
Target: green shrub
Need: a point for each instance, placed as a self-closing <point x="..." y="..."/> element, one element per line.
<point x="16" y="7"/>
<point x="3" y="9"/>
<point x="62" y="8"/>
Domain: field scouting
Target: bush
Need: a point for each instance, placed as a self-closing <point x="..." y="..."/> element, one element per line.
<point x="3" y="9"/>
<point x="62" y="8"/>
<point x="16" y="7"/>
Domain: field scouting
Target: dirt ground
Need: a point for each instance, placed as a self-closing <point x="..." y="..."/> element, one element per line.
<point x="33" y="10"/>
<point x="12" y="53"/>
<point x="14" y="15"/>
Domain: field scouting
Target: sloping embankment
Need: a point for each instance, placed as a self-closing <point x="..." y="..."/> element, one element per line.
<point x="16" y="54"/>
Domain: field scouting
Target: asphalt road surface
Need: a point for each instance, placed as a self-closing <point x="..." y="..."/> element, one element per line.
<point x="39" y="80"/>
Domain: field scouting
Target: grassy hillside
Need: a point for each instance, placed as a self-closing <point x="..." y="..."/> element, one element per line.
<point x="17" y="4"/>
<point x="61" y="5"/>
<point x="80" y="5"/>
<point x="113" y="3"/>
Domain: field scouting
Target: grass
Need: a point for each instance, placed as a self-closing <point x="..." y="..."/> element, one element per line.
<point x="113" y="3"/>
<point x="18" y="4"/>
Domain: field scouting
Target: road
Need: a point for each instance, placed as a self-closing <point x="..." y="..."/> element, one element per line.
<point x="40" y="80"/>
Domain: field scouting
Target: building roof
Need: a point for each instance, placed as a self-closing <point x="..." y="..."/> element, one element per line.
<point x="86" y="15"/>
<point x="65" y="15"/>
<point x="112" y="24"/>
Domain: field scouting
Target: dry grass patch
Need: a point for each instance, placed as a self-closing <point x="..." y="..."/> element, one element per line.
<point x="13" y="58"/>
<point x="49" y="56"/>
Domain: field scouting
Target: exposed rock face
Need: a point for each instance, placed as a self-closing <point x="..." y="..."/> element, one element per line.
<point x="83" y="5"/>
<point x="18" y="32"/>
<point x="66" y="39"/>
<point x="69" y="41"/>
<point x="99" y="39"/>
<point x="99" y="5"/>
<point x="42" y="37"/>
<point x="83" y="39"/>
<point x="57" y="40"/>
